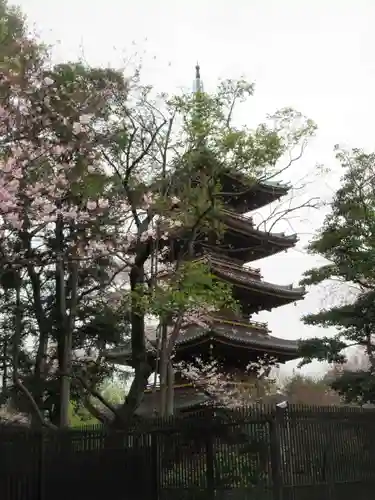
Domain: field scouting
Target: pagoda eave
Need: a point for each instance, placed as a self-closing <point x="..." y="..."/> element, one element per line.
<point x="250" y="289"/>
<point x="245" y="225"/>
<point x="235" y="344"/>
<point x="186" y="397"/>
<point x="257" y="296"/>
<point x="244" y="245"/>
<point x="244" y="194"/>
<point x="241" y="342"/>
<point x="239" y="239"/>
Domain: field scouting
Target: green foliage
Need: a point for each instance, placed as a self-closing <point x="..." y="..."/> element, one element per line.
<point x="322" y="349"/>
<point x="352" y="320"/>
<point x="187" y="290"/>
<point x="347" y="241"/>
<point x="346" y="238"/>
<point x="112" y="391"/>
<point x="80" y="416"/>
<point x="355" y="386"/>
<point x="209" y="118"/>
<point x="317" y="275"/>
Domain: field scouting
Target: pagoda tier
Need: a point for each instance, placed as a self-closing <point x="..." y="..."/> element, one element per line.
<point x="190" y="398"/>
<point x="186" y="398"/>
<point x="239" y="241"/>
<point x="253" y="294"/>
<point x="239" y="191"/>
<point x="231" y="343"/>
<point x="249" y="290"/>
<point x="242" y="194"/>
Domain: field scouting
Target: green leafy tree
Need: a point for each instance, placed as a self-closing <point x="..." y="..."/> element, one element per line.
<point x="347" y="241"/>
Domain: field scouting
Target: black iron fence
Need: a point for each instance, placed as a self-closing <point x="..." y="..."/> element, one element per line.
<point x="263" y="453"/>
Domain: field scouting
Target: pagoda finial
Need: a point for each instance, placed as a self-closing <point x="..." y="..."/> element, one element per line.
<point x="197" y="72"/>
<point x="198" y="86"/>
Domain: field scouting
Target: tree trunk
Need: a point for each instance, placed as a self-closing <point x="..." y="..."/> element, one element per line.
<point x="17" y="333"/>
<point x="163" y="371"/>
<point x="170" y="391"/>
<point x="66" y="348"/>
<point x="4" y="387"/>
<point x="43" y="324"/>
<point x="64" y="330"/>
<point x="370" y="349"/>
<point x="140" y="361"/>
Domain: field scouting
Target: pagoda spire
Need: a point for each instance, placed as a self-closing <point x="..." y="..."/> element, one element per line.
<point x="197" y="72"/>
<point x="198" y="84"/>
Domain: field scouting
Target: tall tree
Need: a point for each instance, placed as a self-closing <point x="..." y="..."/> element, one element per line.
<point x="55" y="211"/>
<point x="347" y="241"/>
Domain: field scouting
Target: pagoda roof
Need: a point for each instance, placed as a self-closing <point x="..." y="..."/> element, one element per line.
<point x="245" y="193"/>
<point x="246" y="336"/>
<point x="241" y="334"/>
<point x="186" y="397"/>
<point x="247" y="277"/>
<point x="240" y="239"/>
<point x="274" y="187"/>
<point x="239" y="190"/>
<point x="247" y="243"/>
<point x="248" y="287"/>
<point x="235" y="222"/>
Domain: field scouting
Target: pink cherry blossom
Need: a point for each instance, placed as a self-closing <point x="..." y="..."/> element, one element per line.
<point x="77" y="128"/>
<point x="91" y="205"/>
<point x="48" y="81"/>
<point x="85" y="119"/>
<point x="102" y="203"/>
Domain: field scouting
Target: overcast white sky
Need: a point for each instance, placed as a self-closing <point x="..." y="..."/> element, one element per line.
<point x="314" y="55"/>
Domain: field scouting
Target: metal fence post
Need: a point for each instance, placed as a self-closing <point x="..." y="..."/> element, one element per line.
<point x="210" y="467"/>
<point x="155" y="465"/>
<point x="276" y="458"/>
<point x="41" y="466"/>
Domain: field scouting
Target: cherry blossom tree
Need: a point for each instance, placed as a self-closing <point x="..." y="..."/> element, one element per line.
<point x="225" y="387"/>
<point x="58" y="206"/>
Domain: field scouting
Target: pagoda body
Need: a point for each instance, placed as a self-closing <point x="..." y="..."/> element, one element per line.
<point x="234" y="340"/>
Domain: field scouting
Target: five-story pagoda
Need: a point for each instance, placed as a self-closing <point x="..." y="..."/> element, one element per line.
<point x="233" y="339"/>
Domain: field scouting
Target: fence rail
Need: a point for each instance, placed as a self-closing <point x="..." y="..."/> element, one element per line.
<point x="261" y="453"/>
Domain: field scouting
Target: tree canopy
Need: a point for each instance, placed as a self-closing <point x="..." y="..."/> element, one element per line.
<point x="347" y="241"/>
